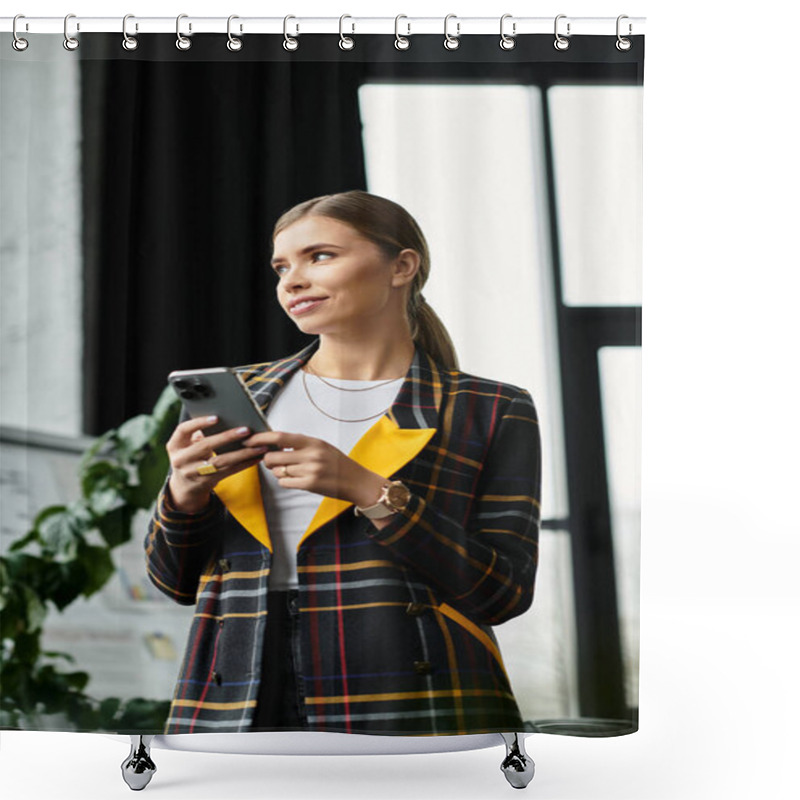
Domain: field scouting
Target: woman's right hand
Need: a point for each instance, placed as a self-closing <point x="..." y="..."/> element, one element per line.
<point x="189" y="449"/>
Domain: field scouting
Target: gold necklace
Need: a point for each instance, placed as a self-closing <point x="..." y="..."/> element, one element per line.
<point x="330" y="416"/>
<point x="345" y="389"/>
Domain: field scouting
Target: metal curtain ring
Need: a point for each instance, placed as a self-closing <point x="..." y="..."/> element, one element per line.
<point x="451" y="42"/>
<point x="622" y="43"/>
<point x="182" y="42"/>
<point x="128" y="42"/>
<point x="289" y="43"/>
<point x="561" y="43"/>
<point x="18" y="43"/>
<point x="70" y="42"/>
<point x="346" y="42"/>
<point x="401" y="42"/>
<point x="507" y="42"/>
<point x="234" y="44"/>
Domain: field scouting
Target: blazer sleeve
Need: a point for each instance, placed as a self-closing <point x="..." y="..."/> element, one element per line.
<point x="485" y="567"/>
<point x="178" y="546"/>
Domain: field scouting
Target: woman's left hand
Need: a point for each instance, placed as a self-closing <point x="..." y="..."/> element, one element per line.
<point x="302" y="462"/>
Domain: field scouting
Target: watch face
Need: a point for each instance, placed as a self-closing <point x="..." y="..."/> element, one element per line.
<point x="398" y="495"/>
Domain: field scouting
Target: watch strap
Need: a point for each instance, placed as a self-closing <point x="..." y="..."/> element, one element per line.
<point x="383" y="508"/>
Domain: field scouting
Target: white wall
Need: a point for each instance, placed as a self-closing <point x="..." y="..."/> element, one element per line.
<point x="40" y="266"/>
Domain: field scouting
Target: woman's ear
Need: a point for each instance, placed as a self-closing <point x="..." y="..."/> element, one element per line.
<point x="405" y="267"/>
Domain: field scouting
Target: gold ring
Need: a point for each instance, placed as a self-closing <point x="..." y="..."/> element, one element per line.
<point x="207" y="468"/>
<point x="285" y="473"/>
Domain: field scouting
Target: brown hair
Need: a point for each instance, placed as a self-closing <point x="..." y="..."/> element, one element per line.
<point x="392" y="228"/>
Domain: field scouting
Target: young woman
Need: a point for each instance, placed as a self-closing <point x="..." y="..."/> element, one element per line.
<point x="349" y="564"/>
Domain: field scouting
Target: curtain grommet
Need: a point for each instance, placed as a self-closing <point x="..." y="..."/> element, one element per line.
<point x="401" y="42"/>
<point x="451" y="42"/>
<point x="182" y="42"/>
<point x="561" y="42"/>
<point x="128" y="42"/>
<point x="17" y="42"/>
<point x="234" y="43"/>
<point x="623" y="44"/>
<point x="70" y="42"/>
<point x="346" y="42"/>
<point x="507" y="41"/>
<point x="290" y="43"/>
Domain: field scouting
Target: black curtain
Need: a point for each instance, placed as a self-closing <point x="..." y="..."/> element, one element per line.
<point x="187" y="163"/>
<point x="189" y="157"/>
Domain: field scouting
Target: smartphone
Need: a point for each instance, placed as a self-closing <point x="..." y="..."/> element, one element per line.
<point x="219" y="391"/>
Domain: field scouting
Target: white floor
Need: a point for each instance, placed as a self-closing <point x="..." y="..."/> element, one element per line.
<point x="719" y="720"/>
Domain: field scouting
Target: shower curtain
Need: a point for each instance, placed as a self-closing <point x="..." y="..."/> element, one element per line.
<point x="141" y="185"/>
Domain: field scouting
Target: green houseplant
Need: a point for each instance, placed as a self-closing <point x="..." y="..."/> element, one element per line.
<point x="66" y="555"/>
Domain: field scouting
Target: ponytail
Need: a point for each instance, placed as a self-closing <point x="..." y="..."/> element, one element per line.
<point x="429" y="332"/>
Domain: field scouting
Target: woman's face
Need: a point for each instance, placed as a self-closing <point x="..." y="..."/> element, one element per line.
<point x="331" y="280"/>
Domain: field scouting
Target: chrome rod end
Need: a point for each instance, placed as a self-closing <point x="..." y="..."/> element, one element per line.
<point x="138" y="768"/>
<point x="517" y="766"/>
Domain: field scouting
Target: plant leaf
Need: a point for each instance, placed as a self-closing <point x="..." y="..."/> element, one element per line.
<point x="35" y="611"/>
<point x="103" y="475"/>
<point x="153" y="470"/>
<point x="98" y="568"/>
<point x="46" y="512"/>
<point x="115" y="525"/>
<point x="135" y="433"/>
<point x="167" y="407"/>
<point x="139" y="715"/>
<point x="66" y="583"/>
<point x="94" y="449"/>
<point x="107" y="711"/>
<point x="60" y="532"/>
<point x="24" y="541"/>
<point x="55" y="654"/>
<point x="26" y="648"/>
<point x="106" y="500"/>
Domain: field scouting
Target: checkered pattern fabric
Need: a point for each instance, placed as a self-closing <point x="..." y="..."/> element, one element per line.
<point x="395" y="624"/>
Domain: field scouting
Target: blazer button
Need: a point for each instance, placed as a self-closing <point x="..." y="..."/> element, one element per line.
<point x="224" y="565"/>
<point x="416" y="609"/>
<point x="217" y="678"/>
<point x="422" y="667"/>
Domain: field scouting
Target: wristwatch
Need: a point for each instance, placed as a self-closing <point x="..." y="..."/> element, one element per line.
<point x="394" y="497"/>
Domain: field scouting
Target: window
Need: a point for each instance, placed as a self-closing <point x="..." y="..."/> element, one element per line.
<point x="534" y="275"/>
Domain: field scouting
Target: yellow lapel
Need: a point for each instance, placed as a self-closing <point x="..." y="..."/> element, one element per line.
<point x="384" y="448"/>
<point x="241" y="493"/>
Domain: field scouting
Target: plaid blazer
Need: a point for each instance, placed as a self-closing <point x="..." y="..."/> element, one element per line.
<point x="395" y="624"/>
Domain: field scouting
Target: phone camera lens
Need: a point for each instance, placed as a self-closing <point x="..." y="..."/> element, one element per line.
<point x="200" y="389"/>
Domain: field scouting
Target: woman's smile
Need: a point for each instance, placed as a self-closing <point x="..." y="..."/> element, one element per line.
<point x="305" y="305"/>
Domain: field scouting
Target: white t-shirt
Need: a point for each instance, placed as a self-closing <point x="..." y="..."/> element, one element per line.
<point x="289" y="511"/>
